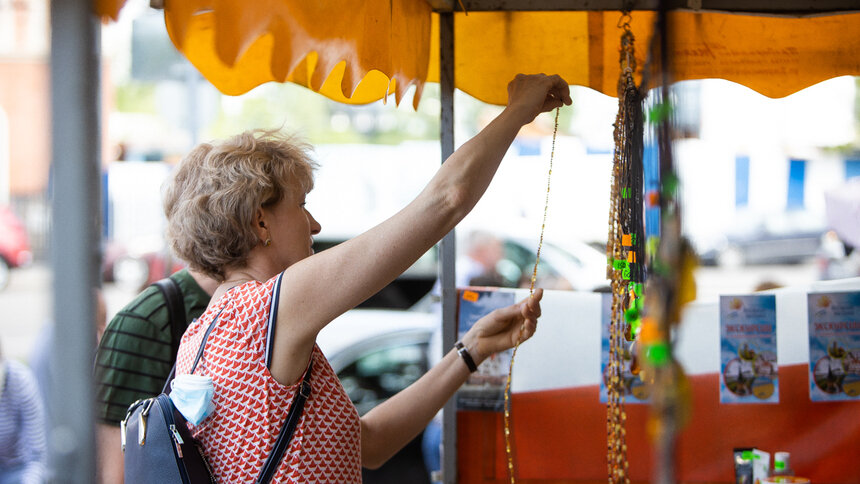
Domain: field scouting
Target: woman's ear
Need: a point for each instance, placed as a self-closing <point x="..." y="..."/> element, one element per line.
<point x="260" y="224"/>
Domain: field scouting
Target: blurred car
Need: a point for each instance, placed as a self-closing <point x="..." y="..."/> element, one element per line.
<point x="564" y="265"/>
<point x="14" y="245"/>
<point x="137" y="268"/>
<point x="791" y="237"/>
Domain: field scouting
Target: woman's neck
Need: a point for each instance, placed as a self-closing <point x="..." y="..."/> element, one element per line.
<point x="231" y="280"/>
<point x="241" y="276"/>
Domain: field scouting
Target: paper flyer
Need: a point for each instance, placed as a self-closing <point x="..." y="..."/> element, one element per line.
<point x="485" y="389"/>
<point x="635" y="390"/>
<point x="748" y="360"/>
<point x="834" y="346"/>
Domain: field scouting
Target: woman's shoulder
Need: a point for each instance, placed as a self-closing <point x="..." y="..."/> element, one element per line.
<point x="245" y="306"/>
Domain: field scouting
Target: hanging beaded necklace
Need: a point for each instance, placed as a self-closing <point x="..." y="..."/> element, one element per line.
<point x="625" y="251"/>
<point x="508" y="439"/>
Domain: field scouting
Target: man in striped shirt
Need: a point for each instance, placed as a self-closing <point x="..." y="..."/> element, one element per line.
<point x="135" y="357"/>
<point x="23" y="450"/>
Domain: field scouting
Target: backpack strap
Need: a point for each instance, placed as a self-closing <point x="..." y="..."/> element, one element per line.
<point x="273" y="461"/>
<point x="166" y="388"/>
<point x="175" y="311"/>
<point x="273" y="317"/>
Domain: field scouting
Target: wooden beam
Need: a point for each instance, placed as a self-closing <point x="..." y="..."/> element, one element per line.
<point x="442" y="5"/>
<point x="792" y="8"/>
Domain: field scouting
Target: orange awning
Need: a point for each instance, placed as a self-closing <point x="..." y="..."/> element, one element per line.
<point x="108" y="9"/>
<point x="772" y="55"/>
<point x="359" y="52"/>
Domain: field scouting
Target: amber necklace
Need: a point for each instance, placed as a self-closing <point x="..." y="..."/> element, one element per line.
<point x="508" y="440"/>
<point x="624" y="248"/>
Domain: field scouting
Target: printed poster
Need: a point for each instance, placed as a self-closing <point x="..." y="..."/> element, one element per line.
<point x="634" y="389"/>
<point x="748" y="360"/>
<point x="485" y="389"/>
<point x="834" y="346"/>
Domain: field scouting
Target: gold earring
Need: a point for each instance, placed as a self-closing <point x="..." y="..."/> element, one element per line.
<point x="268" y="242"/>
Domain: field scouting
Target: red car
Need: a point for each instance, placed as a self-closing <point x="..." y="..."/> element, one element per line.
<point x="14" y="245"/>
<point x="137" y="269"/>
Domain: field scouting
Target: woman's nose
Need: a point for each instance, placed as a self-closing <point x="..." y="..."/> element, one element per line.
<point x="315" y="226"/>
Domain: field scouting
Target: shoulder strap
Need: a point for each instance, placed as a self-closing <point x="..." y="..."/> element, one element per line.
<point x="273" y="461"/>
<point x="273" y="317"/>
<point x="175" y="310"/>
<point x="166" y="388"/>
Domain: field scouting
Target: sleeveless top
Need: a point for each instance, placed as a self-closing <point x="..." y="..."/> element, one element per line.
<point x="251" y="406"/>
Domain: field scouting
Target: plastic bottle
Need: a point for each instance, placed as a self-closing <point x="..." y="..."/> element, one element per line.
<point x="782" y="464"/>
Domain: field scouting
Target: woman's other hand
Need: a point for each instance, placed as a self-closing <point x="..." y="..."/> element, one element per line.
<point x="530" y="95"/>
<point x="502" y="328"/>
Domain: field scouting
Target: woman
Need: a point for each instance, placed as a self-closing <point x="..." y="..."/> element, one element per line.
<point x="236" y="211"/>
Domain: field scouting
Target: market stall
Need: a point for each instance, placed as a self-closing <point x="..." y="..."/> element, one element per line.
<point x="775" y="50"/>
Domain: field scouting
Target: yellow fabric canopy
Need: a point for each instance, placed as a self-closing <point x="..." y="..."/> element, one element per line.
<point x="771" y="55"/>
<point x="108" y="9"/>
<point x="359" y="52"/>
<point x="352" y="52"/>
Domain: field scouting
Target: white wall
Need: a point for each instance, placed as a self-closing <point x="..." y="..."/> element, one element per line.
<point x="136" y="217"/>
<point x="737" y="121"/>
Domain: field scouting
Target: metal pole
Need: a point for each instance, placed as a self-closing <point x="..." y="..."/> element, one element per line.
<point x="76" y="142"/>
<point x="448" y="249"/>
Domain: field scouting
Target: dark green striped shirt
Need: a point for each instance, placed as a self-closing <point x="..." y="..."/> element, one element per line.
<point x="134" y="355"/>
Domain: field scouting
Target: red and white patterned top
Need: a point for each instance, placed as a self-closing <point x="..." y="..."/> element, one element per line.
<point x="250" y="406"/>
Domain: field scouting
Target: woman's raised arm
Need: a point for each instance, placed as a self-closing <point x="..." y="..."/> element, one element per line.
<point x="319" y="288"/>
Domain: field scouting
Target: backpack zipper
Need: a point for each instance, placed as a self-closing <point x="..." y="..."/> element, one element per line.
<point x="177" y="440"/>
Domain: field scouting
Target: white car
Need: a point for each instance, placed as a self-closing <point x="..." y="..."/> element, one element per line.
<point x="377" y="352"/>
<point x="570" y="265"/>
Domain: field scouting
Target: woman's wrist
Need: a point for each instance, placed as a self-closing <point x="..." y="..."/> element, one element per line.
<point x="518" y="115"/>
<point x="466" y="356"/>
<point x="471" y="347"/>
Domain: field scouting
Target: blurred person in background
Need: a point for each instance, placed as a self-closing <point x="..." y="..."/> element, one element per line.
<point x="40" y="354"/>
<point x="41" y="359"/>
<point x="836" y="258"/>
<point x="23" y="447"/>
<point x="478" y="267"/>
<point x="134" y="359"/>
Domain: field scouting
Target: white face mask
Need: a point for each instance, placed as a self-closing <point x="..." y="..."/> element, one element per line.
<point x="192" y="396"/>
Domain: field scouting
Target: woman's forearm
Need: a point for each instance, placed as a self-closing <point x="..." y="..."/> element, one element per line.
<point x="391" y="425"/>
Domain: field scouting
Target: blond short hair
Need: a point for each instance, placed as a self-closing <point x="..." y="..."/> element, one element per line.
<point x="211" y="200"/>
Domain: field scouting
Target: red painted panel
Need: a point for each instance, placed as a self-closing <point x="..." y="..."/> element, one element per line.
<point x="560" y="436"/>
